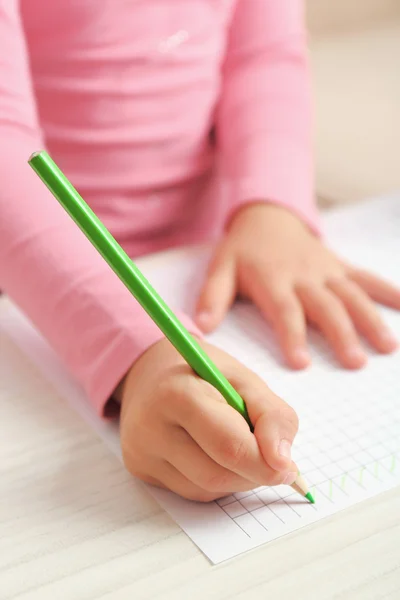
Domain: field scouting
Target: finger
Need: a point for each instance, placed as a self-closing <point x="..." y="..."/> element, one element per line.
<point x="284" y="311"/>
<point x="166" y="476"/>
<point x="218" y="292"/>
<point x="378" y="289"/>
<point x="224" y="435"/>
<point x="190" y="460"/>
<point x="364" y="314"/>
<point x="275" y="422"/>
<point x="326" y="311"/>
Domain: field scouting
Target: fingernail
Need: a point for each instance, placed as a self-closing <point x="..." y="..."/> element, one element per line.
<point x="301" y="356"/>
<point x="285" y="448"/>
<point x="203" y="318"/>
<point x="388" y="338"/>
<point x="290" y="478"/>
<point x="356" y="354"/>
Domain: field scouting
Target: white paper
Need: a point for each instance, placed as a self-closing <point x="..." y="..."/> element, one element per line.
<point x="348" y="446"/>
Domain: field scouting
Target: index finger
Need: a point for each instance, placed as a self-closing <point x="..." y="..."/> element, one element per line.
<point x="225" y="436"/>
<point x="378" y="289"/>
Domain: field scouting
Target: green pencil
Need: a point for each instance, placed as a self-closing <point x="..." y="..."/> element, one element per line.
<point x="138" y="285"/>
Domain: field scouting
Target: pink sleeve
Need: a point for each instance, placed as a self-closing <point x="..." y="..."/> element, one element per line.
<point x="47" y="266"/>
<point x="264" y="124"/>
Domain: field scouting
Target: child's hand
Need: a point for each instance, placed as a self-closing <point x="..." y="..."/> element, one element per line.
<point x="179" y="433"/>
<point x="270" y="257"/>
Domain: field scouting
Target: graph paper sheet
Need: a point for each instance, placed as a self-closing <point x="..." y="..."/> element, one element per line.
<point x="348" y="446"/>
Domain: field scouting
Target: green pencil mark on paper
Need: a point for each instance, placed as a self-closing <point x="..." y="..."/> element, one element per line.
<point x="342" y="483"/>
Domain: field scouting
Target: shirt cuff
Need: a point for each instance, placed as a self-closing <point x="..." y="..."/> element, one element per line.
<point x="280" y="174"/>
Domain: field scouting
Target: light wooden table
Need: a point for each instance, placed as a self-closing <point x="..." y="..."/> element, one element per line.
<point x="74" y="525"/>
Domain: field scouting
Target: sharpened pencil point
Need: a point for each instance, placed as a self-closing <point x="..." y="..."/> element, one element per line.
<point x="310" y="497"/>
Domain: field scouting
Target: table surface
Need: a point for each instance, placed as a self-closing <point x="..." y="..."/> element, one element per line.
<point x="75" y="525"/>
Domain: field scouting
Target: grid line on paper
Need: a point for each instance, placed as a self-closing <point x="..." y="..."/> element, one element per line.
<point x="235" y="509"/>
<point x="238" y="499"/>
<point x="245" y="511"/>
<point x="349" y="438"/>
<point x="238" y="525"/>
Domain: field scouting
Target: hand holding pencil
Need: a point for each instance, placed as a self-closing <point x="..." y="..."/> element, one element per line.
<point x="261" y="438"/>
<point x="178" y="432"/>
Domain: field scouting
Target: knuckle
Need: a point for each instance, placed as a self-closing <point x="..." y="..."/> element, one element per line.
<point x="174" y="394"/>
<point x="306" y="286"/>
<point x="149" y="405"/>
<point x="166" y="390"/>
<point x="146" y="415"/>
<point x="290" y="416"/>
<point x="284" y="306"/>
<point x="275" y="478"/>
<point x="285" y="415"/>
<point x="234" y="452"/>
<point x="215" y="482"/>
<point x="345" y="333"/>
<point x="209" y="391"/>
<point x="339" y="282"/>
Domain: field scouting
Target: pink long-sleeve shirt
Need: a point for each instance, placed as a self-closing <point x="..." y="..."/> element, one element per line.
<point x="167" y="115"/>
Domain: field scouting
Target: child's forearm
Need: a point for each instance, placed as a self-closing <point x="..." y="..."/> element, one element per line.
<point x="63" y="285"/>
<point x="46" y="264"/>
<point x="264" y="120"/>
<point x="53" y="273"/>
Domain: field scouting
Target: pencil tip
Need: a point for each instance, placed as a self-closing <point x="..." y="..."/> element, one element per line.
<point x="310" y="497"/>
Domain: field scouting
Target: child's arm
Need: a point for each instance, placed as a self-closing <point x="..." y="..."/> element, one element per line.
<point x="269" y="253"/>
<point x="176" y="429"/>
<point x="264" y="119"/>
<point x="178" y="432"/>
<point x="47" y="266"/>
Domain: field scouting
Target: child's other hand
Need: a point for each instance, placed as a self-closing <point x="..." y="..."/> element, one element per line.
<point x="270" y="257"/>
<point x="179" y="433"/>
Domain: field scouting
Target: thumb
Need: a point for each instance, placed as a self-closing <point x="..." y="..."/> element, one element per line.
<point x="275" y="422"/>
<point x="275" y="432"/>
<point x="218" y="291"/>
